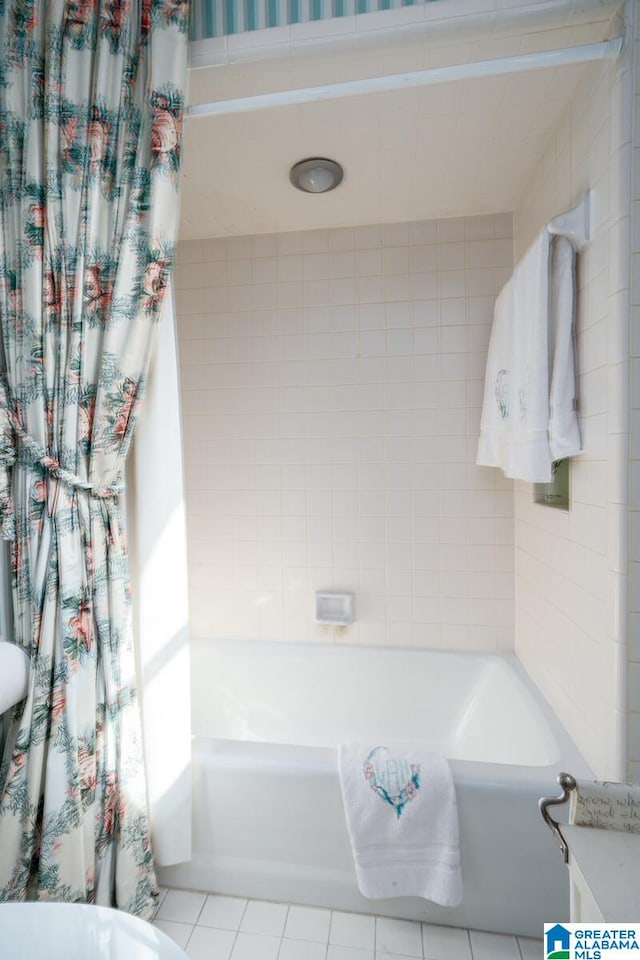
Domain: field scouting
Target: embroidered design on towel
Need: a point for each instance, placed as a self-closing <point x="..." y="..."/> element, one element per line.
<point x="395" y="780"/>
<point x="502" y="393"/>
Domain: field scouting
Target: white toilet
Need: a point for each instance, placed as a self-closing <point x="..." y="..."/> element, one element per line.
<point x="76" y="931"/>
<point x="14" y="674"/>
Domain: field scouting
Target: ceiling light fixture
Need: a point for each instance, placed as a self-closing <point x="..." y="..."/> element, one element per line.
<point x="316" y="175"/>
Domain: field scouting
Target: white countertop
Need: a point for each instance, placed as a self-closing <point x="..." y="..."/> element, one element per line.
<point x="609" y="862"/>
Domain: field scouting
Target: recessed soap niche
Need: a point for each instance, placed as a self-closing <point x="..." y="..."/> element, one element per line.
<point x="336" y="609"/>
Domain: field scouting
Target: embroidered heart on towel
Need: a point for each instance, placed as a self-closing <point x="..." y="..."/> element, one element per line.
<point x="393" y="779"/>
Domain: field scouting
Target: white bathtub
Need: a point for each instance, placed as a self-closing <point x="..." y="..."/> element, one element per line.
<point x="268" y="816"/>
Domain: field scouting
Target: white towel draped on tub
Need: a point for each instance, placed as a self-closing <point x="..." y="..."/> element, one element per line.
<point x="529" y="418"/>
<point x="400" y="806"/>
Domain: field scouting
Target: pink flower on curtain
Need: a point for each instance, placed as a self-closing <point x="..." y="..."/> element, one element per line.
<point x="175" y="11"/>
<point x="17" y="561"/>
<point x="115" y="19"/>
<point x="69" y="134"/>
<point x="34" y="227"/>
<point x="155" y="282"/>
<point x="86" y="413"/>
<point x="97" y="293"/>
<point x="167" y="131"/>
<point x="146" y="21"/>
<point x="111" y="804"/>
<point x="39" y="499"/>
<point x="87" y="766"/>
<point x="40" y="491"/>
<point x="38" y="214"/>
<point x="18" y="761"/>
<point x="99" y="132"/>
<point x="130" y="392"/>
<point x="52" y="299"/>
<point x="15" y="301"/>
<point x="58" y="703"/>
<point x="80" y="13"/>
<point x="50" y="413"/>
<point x="82" y="626"/>
<point x="37" y="624"/>
<point x="117" y="537"/>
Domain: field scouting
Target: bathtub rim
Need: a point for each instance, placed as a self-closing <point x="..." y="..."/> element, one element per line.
<point x="325" y="757"/>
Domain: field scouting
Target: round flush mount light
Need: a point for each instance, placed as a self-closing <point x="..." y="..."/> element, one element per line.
<point x="316" y="175"/>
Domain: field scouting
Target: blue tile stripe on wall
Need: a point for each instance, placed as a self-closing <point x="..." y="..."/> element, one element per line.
<point x="218" y="18"/>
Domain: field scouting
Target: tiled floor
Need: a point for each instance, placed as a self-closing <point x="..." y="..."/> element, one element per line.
<point x="228" y="928"/>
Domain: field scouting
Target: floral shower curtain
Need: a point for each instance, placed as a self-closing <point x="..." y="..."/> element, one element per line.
<point x="91" y="109"/>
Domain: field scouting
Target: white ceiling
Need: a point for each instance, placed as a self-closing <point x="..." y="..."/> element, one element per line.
<point x="456" y="149"/>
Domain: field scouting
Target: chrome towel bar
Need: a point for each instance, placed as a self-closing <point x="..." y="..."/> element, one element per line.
<point x="567" y="783"/>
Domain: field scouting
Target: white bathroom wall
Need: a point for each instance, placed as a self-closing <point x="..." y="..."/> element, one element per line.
<point x="571" y="567"/>
<point x="332" y="383"/>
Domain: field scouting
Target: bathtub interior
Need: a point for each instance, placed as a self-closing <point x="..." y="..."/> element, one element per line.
<point x="470" y="706"/>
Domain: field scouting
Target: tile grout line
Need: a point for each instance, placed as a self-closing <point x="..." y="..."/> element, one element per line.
<point x="284" y="927"/>
<point x="237" y="933"/>
<point x="206" y="897"/>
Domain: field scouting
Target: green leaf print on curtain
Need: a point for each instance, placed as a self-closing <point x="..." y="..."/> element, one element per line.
<point x="91" y="110"/>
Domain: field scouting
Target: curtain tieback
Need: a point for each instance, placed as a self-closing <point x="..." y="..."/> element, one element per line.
<point x="32" y="454"/>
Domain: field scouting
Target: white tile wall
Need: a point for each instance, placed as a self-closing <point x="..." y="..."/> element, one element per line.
<point x="332" y="384"/>
<point x="570" y="568"/>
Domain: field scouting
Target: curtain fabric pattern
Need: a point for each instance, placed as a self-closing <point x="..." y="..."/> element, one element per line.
<point x="91" y="109"/>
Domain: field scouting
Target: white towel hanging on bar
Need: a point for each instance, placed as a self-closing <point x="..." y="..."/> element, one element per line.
<point x="529" y="417"/>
